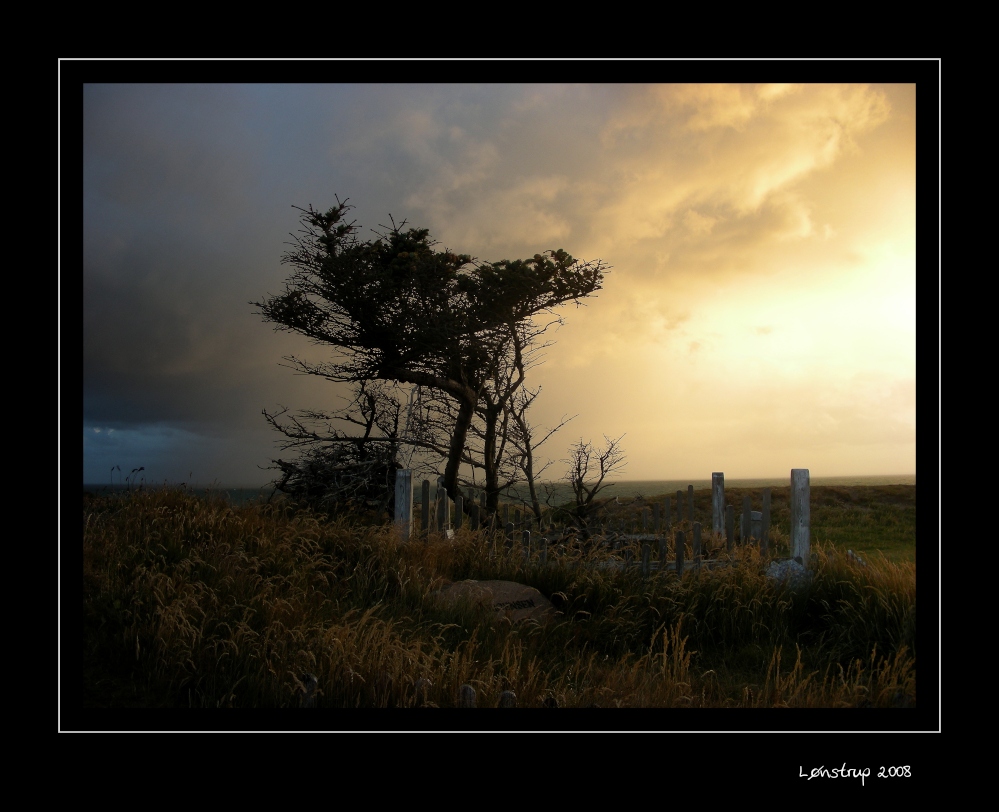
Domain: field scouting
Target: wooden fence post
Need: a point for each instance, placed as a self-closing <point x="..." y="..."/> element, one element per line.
<point x="441" y="504"/>
<point x="729" y="527"/>
<point x="800" y="514"/>
<point x="404" y="503"/>
<point x="718" y="503"/>
<point x="667" y="519"/>
<point x="425" y="512"/>
<point x="765" y="523"/>
<point x="473" y="510"/>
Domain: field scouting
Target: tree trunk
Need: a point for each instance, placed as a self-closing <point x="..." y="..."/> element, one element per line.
<point x="490" y="463"/>
<point x="466" y="411"/>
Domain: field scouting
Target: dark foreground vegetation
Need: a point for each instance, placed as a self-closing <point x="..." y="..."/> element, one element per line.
<point x="191" y="602"/>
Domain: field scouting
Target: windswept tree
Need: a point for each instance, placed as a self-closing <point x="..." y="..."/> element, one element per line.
<point x="397" y="309"/>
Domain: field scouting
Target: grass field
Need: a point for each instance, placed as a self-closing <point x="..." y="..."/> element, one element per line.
<point x="191" y="602"/>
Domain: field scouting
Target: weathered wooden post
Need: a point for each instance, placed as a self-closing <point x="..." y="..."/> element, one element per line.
<point x="765" y="523"/>
<point x="729" y="527"/>
<point x="441" y="504"/>
<point x="425" y="512"/>
<point x="646" y="550"/>
<point x="800" y="514"/>
<point x="718" y="503"/>
<point x="507" y="699"/>
<point x="466" y="696"/>
<point x="404" y="503"/>
<point x="473" y="511"/>
<point x="527" y="546"/>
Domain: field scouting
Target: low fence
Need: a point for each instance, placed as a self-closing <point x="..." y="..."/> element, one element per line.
<point x="658" y="527"/>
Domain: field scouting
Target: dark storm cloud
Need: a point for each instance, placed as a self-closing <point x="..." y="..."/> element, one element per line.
<point x="188" y="195"/>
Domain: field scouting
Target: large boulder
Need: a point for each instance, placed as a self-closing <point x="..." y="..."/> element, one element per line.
<point x="506" y="598"/>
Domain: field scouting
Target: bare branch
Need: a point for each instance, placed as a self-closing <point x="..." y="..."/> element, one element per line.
<point x="589" y="469"/>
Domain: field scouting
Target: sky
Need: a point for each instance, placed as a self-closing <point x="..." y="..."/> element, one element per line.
<point x="759" y="313"/>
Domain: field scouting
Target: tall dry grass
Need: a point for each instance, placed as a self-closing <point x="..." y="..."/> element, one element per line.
<point x="191" y="602"/>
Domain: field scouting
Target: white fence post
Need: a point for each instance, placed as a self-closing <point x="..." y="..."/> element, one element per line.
<point x="443" y="511"/>
<point x="800" y="514"/>
<point x="404" y="503"/>
<point x="718" y="503"/>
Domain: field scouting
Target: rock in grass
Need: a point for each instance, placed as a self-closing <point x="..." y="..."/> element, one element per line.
<point x="789" y="571"/>
<point x="506" y="598"/>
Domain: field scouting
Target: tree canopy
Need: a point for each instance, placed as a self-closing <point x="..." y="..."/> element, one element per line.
<point x="396" y="308"/>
